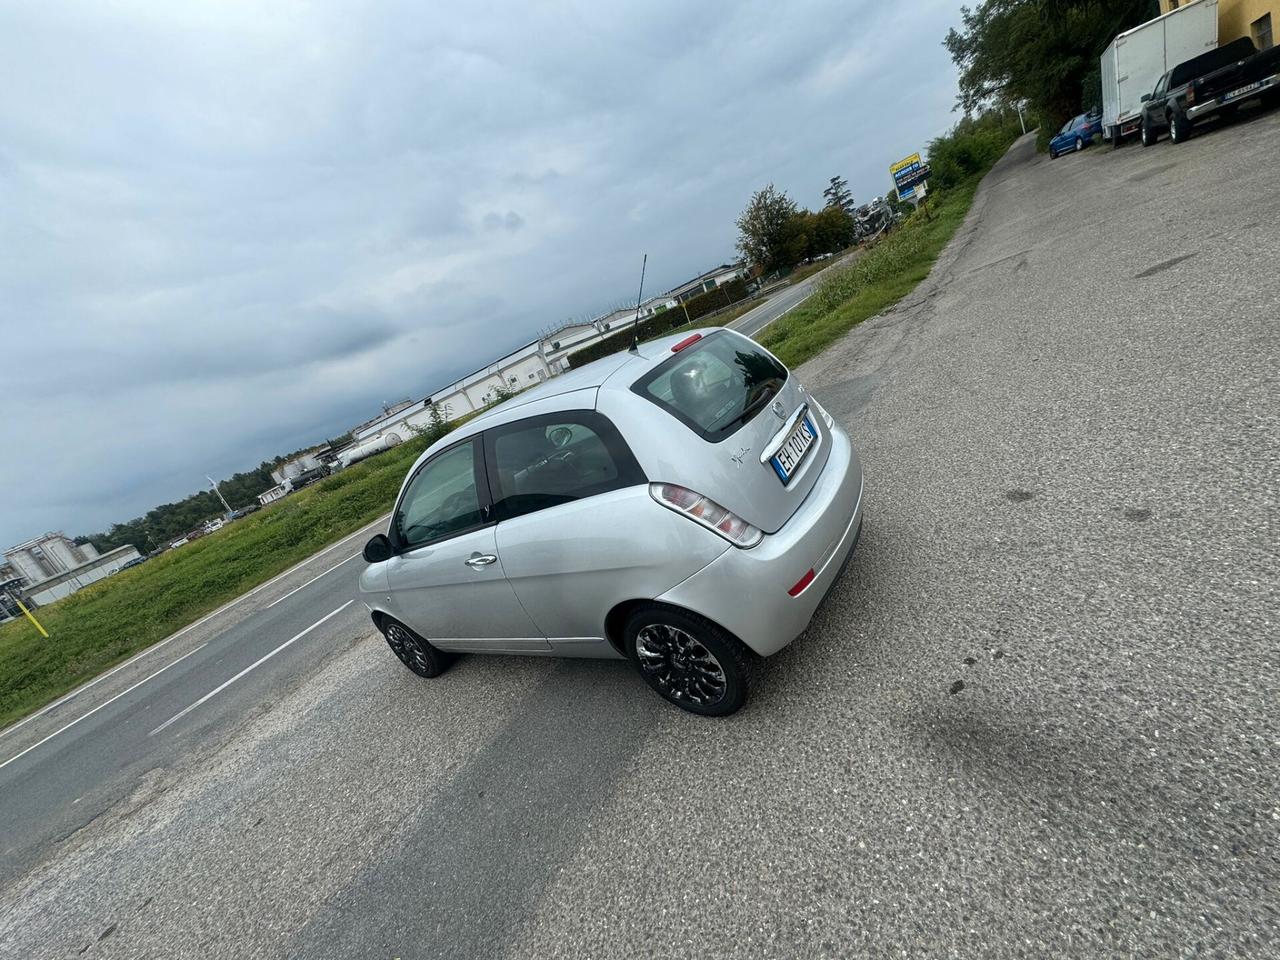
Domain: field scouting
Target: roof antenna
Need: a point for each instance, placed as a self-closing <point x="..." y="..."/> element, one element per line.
<point x="635" y="324"/>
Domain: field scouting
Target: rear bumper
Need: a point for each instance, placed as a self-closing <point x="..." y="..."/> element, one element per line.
<point x="1217" y="103"/>
<point x="745" y="591"/>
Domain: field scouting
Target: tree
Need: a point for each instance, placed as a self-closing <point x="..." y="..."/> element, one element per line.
<point x="838" y="195"/>
<point x="1039" y="51"/>
<point x="763" y="233"/>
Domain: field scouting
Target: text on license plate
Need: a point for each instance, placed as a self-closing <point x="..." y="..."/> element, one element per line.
<point x="1242" y="91"/>
<point x="793" y="450"/>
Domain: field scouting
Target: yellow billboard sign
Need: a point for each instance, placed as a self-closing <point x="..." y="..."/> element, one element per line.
<point x="903" y="164"/>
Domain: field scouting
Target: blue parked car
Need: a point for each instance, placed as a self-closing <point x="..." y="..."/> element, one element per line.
<point x="1076" y="134"/>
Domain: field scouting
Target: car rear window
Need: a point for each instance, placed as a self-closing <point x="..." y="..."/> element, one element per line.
<point x="716" y="385"/>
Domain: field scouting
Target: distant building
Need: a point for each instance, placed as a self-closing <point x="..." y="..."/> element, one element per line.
<point x="51" y="567"/>
<point x="525" y="367"/>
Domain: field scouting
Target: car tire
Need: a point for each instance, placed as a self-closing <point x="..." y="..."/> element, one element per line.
<point x="1052" y="155"/>
<point x="1079" y="144"/>
<point x="413" y="650"/>
<point x="688" y="660"/>
<point x="1179" y="127"/>
<point x="1149" y="136"/>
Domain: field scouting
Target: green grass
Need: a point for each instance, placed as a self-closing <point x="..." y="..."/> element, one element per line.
<point x="875" y="281"/>
<point x="113" y="619"/>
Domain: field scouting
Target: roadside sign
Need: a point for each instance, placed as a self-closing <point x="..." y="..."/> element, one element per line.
<point x="909" y="173"/>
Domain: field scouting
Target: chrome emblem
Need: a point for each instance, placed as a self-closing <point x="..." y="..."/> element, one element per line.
<point x="737" y="457"/>
<point x="779" y="410"/>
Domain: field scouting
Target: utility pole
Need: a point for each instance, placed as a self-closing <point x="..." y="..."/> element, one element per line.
<point x="1018" y="106"/>
<point x="214" y="483"/>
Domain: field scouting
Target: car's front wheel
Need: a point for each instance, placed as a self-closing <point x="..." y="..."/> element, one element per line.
<point x="1148" y="135"/>
<point x="688" y="660"/>
<point x="413" y="650"/>
<point x="1179" y="127"/>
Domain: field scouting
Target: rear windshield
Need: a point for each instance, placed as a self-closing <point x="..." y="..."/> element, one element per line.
<point x="1196" y="67"/>
<point x="716" y="385"/>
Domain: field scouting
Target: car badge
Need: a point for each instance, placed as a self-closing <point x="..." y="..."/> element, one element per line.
<point x="780" y="410"/>
<point x="737" y="457"/>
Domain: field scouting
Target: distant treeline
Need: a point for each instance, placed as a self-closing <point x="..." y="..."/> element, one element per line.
<point x="171" y="520"/>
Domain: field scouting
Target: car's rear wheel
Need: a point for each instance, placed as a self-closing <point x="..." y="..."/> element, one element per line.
<point x="1079" y="144"/>
<point x="413" y="650"/>
<point x="688" y="660"/>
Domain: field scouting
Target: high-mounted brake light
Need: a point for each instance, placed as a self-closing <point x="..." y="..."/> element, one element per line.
<point x="707" y="512"/>
<point x="686" y="342"/>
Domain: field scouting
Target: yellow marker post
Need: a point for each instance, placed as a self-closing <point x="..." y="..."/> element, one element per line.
<point x="44" y="633"/>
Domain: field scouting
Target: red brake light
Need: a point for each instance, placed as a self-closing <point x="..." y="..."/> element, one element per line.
<point x="802" y="583"/>
<point x="687" y="341"/>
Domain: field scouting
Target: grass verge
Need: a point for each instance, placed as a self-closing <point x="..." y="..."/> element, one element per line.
<point x="113" y="619"/>
<point x="876" y="280"/>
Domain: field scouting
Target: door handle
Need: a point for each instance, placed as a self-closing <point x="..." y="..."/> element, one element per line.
<point x="481" y="560"/>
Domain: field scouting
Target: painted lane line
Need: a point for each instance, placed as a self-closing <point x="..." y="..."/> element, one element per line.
<point x="312" y="580"/>
<point x="101" y="705"/>
<point x="257" y="663"/>
<point x="191" y="626"/>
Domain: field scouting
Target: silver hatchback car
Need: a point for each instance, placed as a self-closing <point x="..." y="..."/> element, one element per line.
<point x="684" y="505"/>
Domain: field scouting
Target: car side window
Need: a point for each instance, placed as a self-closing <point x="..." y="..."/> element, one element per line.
<point x="556" y="458"/>
<point x="1066" y="126"/>
<point x="443" y="498"/>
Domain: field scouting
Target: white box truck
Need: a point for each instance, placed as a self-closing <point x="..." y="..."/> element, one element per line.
<point x="1137" y="58"/>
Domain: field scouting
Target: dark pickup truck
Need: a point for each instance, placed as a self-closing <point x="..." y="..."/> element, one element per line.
<point x="1216" y="82"/>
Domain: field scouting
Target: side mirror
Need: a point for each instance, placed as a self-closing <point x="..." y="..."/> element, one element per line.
<point x="1145" y="97"/>
<point x="378" y="549"/>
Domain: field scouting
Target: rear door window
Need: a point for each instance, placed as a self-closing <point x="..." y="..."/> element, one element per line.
<point x="715" y="386"/>
<point x="556" y="458"/>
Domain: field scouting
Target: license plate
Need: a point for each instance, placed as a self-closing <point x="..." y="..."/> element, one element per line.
<point x="1242" y="91"/>
<point x="793" y="450"/>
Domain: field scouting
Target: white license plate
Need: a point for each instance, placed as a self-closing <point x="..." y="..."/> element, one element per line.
<point x="1242" y="91"/>
<point x="793" y="450"/>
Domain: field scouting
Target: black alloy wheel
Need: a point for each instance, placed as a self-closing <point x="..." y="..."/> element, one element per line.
<point x="413" y="650"/>
<point x="688" y="660"/>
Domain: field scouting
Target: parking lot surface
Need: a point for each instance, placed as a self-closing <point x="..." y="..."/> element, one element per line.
<point x="1037" y="716"/>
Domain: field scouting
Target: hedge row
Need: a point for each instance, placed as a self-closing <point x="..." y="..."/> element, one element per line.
<point x="699" y="306"/>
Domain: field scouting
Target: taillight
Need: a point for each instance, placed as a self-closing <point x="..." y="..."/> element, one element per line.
<point x="1191" y="95"/>
<point x="822" y="412"/>
<point x="707" y="512"/>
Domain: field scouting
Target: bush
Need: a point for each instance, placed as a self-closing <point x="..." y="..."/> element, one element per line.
<point x="971" y="147"/>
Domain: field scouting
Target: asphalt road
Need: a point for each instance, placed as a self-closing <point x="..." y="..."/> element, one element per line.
<point x="786" y="299"/>
<point x="1035" y="718"/>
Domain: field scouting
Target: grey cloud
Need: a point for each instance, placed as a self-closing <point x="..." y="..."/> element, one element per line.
<point x="226" y="235"/>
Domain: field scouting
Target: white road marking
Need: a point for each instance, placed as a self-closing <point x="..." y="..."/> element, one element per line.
<point x="101" y="705"/>
<point x="191" y="626"/>
<point x="311" y="581"/>
<point x="253" y="666"/>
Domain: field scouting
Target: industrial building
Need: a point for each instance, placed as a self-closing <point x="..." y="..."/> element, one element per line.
<point x="51" y="567"/>
<point x="524" y="367"/>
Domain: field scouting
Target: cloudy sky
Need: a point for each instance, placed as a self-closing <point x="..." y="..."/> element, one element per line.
<point x="230" y="229"/>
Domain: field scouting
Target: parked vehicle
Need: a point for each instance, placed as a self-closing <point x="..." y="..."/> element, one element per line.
<point x="872" y="219"/>
<point x="1214" y="83"/>
<point x="685" y="505"/>
<point x="1076" y="134"/>
<point x="1137" y="58"/>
